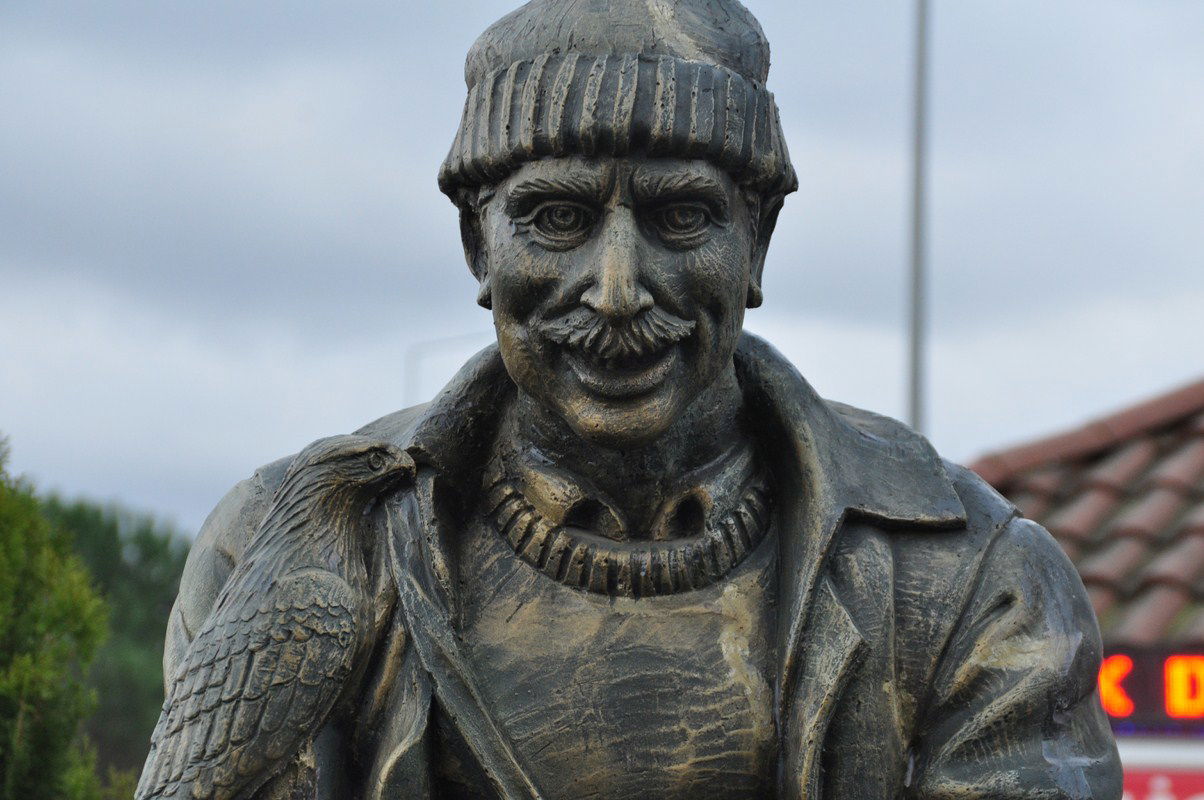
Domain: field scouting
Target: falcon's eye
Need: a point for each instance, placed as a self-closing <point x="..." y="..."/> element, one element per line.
<point x="376" y="461"/>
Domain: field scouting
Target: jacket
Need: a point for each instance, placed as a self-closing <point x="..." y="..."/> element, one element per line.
<point x="931" y="642"/>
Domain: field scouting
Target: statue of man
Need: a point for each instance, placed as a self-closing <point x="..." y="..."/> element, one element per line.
<point x="638" y="556"/>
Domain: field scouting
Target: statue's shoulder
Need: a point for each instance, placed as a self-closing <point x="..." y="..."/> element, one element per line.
<point x="936" y="560"/>
<point x="930" y="580"/>
<point x="987" y="511"/>
<point x="869" y="422"/>
<point x="395" y="427"/>
<point x="224" y="535"/>
<point x="1015" y="548"/>
<point x="236" y="516"/>
<point x="995" y="550"/>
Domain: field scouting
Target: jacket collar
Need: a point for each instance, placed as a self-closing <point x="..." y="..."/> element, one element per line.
<point x="870" y="465"/>
<point x="834" y="463"/>
<point x="561" y="497"/>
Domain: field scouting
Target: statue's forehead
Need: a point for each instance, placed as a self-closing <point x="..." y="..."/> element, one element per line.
<point x="612" y="170"/>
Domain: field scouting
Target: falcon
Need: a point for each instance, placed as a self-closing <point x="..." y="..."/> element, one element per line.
<point x="272" y="659"/>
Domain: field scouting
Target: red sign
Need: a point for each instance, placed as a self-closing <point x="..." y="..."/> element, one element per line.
<point x="1144" y="690"/>
<point x="1163" y="785"/>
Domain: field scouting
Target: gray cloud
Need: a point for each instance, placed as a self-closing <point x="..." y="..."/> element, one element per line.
<point x="220" y="230"/>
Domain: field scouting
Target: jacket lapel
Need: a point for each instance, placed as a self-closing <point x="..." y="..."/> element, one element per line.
<point x="835" y="463"/>
<point x="831" y="650"/>
<point x="424" y="597"/>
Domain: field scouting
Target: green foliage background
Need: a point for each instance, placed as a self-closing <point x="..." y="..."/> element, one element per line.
<point x="51" y="623"/>
<point x="70" y="573"/>
<point x="136" y="564"/>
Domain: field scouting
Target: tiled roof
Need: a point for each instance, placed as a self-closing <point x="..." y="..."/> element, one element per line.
<point x="1124" y="497"/>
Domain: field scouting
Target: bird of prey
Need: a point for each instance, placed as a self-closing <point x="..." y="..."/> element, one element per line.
<point x="273" y="657"/>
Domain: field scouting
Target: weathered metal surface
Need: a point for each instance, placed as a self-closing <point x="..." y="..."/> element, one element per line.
<point x="635" y="554"/>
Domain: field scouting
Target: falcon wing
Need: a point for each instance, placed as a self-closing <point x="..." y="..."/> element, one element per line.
<point x="256" y="683"/>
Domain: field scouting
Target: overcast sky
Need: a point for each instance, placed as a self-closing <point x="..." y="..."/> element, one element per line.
<point x="220" y="233"/>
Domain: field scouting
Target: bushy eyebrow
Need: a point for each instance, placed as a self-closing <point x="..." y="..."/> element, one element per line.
<point x="583" y="186"/>
<point x="660" y="186"/>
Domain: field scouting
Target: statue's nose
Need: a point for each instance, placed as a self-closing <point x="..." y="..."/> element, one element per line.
<point x="616" y="291"/>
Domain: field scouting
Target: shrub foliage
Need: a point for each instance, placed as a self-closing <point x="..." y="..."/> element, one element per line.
<point x="51" y="623"/>
<point x="136" y="563"/>
<point x="85" y="590"/>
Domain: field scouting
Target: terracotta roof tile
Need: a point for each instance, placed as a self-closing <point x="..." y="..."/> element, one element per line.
<point x="1196" y="426"/>
<point x="1192" y="632"/>
<point x="1118" y="471"/>
<point x="1124" y="497"/>
<point x="1145" y="621"/>
<point x="1093" y="437"/>
<point x="1181" y="565"/>
<point x="1193" y="520"/>
<point x="1183" y="469"/>
<point x="1001" y="467"/>
<point x="1078" y="520"/>
<point x="1070" y="548"/>
<point x="1115" y="563"/>
<point x="1151" y="515"/>
<point x="1043" y="482"/>
<point x="1145" y="417"/>
<point x="1102" y="599"/>
<point x="1031" y="504"/>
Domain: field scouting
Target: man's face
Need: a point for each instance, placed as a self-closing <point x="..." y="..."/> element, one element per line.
<point x="618" y="287"/>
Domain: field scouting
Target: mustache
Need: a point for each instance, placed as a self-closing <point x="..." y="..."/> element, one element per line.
<point x="648" y="332"/>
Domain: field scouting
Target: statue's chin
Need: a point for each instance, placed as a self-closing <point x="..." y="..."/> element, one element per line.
<point x="616" y="406"/>
<point x="621" y="424"/>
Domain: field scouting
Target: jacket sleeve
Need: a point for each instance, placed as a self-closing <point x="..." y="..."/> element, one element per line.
<point x="1013" y="710"/>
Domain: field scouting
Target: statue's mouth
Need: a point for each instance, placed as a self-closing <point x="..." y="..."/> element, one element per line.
<point x="619" y="359"/>
<point x="622" y="377"/>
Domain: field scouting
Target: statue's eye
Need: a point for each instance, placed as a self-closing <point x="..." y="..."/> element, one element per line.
<point x="376" y="462"/>
<point x="563" y="221"/>
<point x="682" y="220"/>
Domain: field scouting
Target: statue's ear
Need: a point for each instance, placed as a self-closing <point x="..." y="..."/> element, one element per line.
<point x="767" y="220"/>
<point x="475" y="252"/>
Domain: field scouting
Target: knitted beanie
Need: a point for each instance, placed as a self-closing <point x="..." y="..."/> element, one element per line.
<point x="681" y="78"/>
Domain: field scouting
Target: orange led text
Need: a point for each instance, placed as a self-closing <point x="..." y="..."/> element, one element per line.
<point x="1184" y="685"/>
<point x="1111" y="691"/>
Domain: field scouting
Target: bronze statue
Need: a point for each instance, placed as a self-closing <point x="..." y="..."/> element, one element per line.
<point x="628" y="552"/>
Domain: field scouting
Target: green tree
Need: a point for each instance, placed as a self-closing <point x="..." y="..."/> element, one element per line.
<point x="136" y="563"/>
<point x="51" y="623"/>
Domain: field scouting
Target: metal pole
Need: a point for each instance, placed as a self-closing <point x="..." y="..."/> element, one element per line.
<point x="915" y="405"/>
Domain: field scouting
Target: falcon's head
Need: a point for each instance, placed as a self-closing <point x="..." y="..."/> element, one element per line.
<point x="357" y="463"/>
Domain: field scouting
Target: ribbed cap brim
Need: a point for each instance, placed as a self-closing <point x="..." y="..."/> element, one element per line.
<point x="559" y="105"/>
